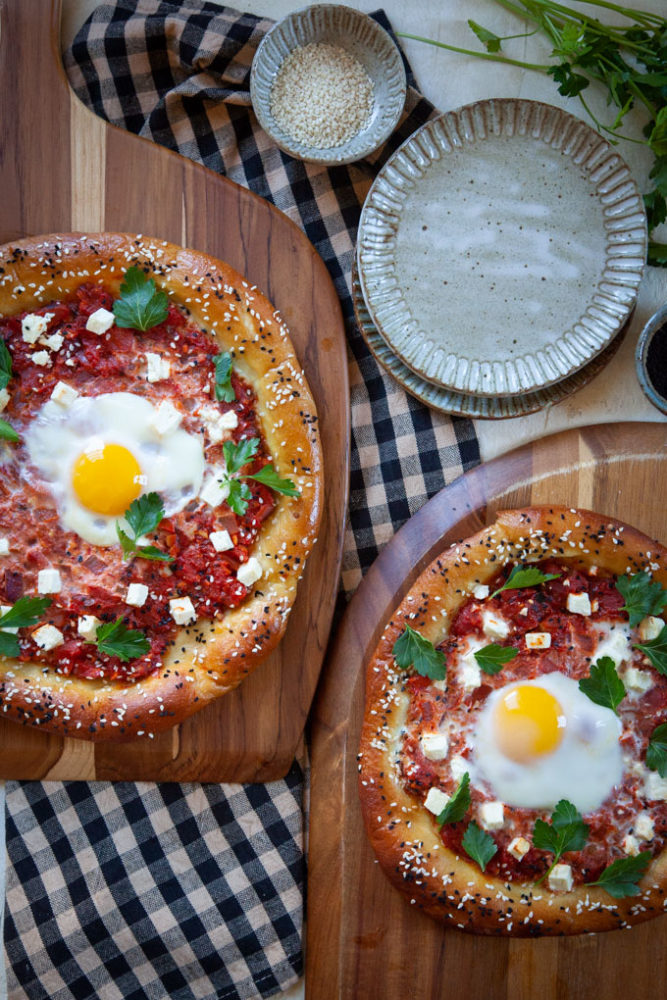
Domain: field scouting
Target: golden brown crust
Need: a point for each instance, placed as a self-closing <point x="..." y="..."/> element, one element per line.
<point x="404" y="835"/>
<point x="207" y="659"/>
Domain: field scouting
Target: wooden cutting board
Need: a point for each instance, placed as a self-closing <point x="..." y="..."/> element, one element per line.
<point x="63" y="170"/>
<point x="363" y="937"/>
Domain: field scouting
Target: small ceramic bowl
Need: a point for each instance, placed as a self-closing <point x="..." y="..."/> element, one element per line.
<point x="646" y="358"/>
<point x="357" y="34"/>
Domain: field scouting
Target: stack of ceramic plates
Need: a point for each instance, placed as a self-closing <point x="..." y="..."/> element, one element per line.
<point x="499" y="255"/>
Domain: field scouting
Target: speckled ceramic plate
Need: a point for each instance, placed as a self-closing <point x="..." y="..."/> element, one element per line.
<point x="501" y="247"/>
<point x="460" y="404"/>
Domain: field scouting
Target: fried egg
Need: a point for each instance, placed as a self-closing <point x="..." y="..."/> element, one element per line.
<point x="539" y="741"/>
<point x="100" y="453"/>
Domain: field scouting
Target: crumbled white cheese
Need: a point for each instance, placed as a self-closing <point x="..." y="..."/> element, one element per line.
<point x="644" y="826"/>
<point x="458" y="766"/>
<point x="4" y="546"/>
<point x="518" y="848"/>
<point x="480" y="591"/>
<point x="87" y="627"/>
<point x="538" y="640"/>
<point x="637" y="680"/>
<point x="221" y="540"/>
<point x="136" y="595"/>
<point x="469" y="672"/>
<point x="48" y="637"/>
<point x="182" y="610"/>
<point x="100" y="321"/>
<point x="650" y="628"/>
<point x="492" y="815"/>
<point x="54" y="342"/>
<point x="4" y="398"/>
<point x="579" y="604"/>
<point x="655" y="787"/>
<point x="494" y="625"/>
<point x="64" y="394"/>
<point x="218" y="424"/>
<point x="213" y="492"/>
<point x="157" y="368"/>
<point x="41" y="358"/>
<point x="249" y="572"/>
<point x="614" y="642"/>
<point x="630" y="845"/>
<point x="33" y="326"/>
<point x="435" y="801"/>
<point x="560" y="878"/>
<point x="166" y="418"/>
<point x="48" y="581"/>
<point x="435" y="745"/>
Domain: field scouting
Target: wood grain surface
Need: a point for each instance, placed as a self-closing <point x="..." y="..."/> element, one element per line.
<point x="363" y="937"/>
<point x="64" y="170"/>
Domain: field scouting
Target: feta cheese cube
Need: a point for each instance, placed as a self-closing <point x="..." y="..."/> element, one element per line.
<point x="4" y="546"/>
<point x="41" y="358"/>
<point x="637" y="680"/>
<point x="166" y="418"/>
<point x="4" y="398"/>
<point x="435" y="801"/>
<point x="579" y="604"/>
<point x="650" y="628"/>
<point x="458" y="766"/>
<point x="182" y="610"/>
<point x="100" y="321"/>
<point x="644" y="826"/>
<point x="518" y="848"/>
<point x="480" y="591"/>
<point x="435" y="746"/>
<point x="33" y="326"/>
<point x="560" y="878"/>
<point x="494" y="625"/>
<point x="215" y="490"/>
<point x="136" y="595"/>
<point x="48" y="637"/>
<point x="538" y="640"/>
<point x="655" y="787"/>
<point x="64" y="394"/>
<point x="630" y="845"/>
<point x="54" y="342"/>
<point x="221" y="540"/>
<point x="157" y="367"/>
<point x="87" y="627"/>
<point x="249" y="572"/>
<point x="217" y="424"/>
<point x="492" y="815"/>
<point x="469" y="672"/>
<point x="48" y="581"/>
<point x="4" y="608"/>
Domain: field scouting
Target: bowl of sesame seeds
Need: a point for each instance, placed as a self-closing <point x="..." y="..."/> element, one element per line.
<point x="328" y="84"/>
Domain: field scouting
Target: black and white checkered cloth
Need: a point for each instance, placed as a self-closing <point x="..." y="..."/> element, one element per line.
<point x="189" y="891"/>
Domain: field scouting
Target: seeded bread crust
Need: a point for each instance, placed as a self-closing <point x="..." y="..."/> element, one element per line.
<point x="208" y="658"/>
<point x="403" y="834"/>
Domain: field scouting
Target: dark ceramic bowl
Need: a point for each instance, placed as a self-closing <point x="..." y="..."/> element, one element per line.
<point x="657" y="325"/>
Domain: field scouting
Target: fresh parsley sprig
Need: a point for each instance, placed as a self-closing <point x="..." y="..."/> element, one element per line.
<point x="141" y="305"/>
<point x="224" y="390"/>
<point x="411" y="649"/>
<point x="478" y="845"/>
<point x="566" y="832"/>
<point x="524" y="576"/>
<point x="621" y="877"/>
<point x="143" y="516"/>
<point x="7" y="432"/>
<point x="26" y="611"/>
<point x="603" y="685"/>
<point x="493" y="658"/>
<point x="239" y="493"/>
<point x="458" y="804"/>
<point x="656" y="650"/>
<point x="116" y="639"/>
<point x="656" y="752"/>
<point x="643" y="596"/>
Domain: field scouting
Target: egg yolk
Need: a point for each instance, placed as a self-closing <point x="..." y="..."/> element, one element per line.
<point x="106" y="480"/>
<point x="529" y="722"/>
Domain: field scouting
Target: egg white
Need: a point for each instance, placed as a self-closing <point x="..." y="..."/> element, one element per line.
<point x="172" y="464"/>
<point x="584" y="768"/>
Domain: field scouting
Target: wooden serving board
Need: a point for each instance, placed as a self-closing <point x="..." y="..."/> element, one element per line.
<point x="62" y="170"/>
<point x="364" y="939"/>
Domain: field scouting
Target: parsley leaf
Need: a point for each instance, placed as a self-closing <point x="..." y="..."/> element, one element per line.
<point x="603" y="686"/>
<point x="620" y="878"/>
<point x="141" y="305"/>
<point x="656" y="650"/>
<point x="656" y="753"/>
<point x="490" y="41"/>
<point x="458" y="804"/>
<point x="566" y="832"/>
<point x="9" y="645"/>
<point x="143" y="516"/>
<point x="7" y="432"/>
<point x="493" y="658"/>
<point x="571" y="83"/>
<point x="115" y="639"/>
<point x="412" y="650"/>
<point x="478" y="845"/>
<point x="643" y="596"/>
<point x="5" y="365"/>
<point x="269" y="477"/>
<point x="238" y="455"/>
<point x="525" y="576"/>
<point x="238" y="496"/>
<point x="26" y="611"/>
<point x="224" y="390"/>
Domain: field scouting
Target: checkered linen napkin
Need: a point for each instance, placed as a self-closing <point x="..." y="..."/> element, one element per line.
<point x="192" y="891"/>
